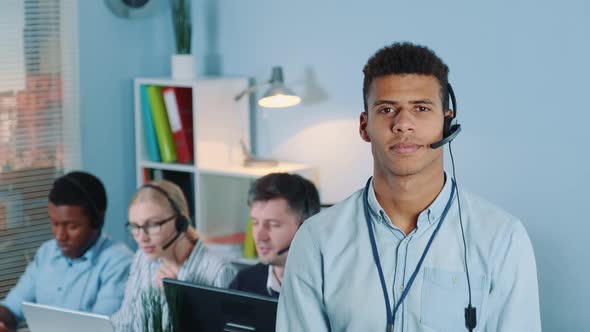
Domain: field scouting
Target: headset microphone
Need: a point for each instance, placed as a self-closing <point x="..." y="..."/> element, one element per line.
<point x="284" y="250"/>
<point x="181" y="223"/>
<point x="449" y="131"/>
<point x="169" y="243"/>
<point x="455" y="130"/>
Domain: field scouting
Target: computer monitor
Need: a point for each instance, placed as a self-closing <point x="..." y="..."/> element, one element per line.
<point x="209" y="309"/>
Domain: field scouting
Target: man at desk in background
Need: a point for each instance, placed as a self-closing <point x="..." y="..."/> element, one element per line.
<point x="279" y="203"/>
<point x="80" y="269"/>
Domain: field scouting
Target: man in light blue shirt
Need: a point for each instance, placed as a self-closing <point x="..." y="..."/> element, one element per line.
<point x="395" y="255"/>
<point x="80" y="269"/>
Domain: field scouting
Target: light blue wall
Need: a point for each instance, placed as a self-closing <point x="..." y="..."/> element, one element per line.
<point x="520" y="70"/>
<point x="113" y="51"/>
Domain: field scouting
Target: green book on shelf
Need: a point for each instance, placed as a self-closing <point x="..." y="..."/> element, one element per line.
<point x="249" y="245"/>
<point x="149" y="130"/>
<point x="163" y="132"/>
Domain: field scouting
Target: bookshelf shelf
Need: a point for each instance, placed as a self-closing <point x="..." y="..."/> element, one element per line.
<point x="163" y="81"/>
<point x="167" y="166"/>
<point x="216" y="183"/>
<point x="253" y="172"/>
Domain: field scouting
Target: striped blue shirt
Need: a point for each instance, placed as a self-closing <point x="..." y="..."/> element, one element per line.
<point x="331" y="282"/>
<point x="202" y="267"/>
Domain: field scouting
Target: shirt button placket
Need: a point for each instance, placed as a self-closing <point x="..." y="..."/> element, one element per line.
<point x="399" y="280"/>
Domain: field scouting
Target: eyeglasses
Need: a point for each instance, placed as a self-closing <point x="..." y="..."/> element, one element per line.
<point x="152" y="228"/>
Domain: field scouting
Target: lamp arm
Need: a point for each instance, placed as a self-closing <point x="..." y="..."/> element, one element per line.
<point x="249" y="90"/>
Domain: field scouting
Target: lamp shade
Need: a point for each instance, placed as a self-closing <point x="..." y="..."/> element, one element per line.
<point x="278" y="95"/>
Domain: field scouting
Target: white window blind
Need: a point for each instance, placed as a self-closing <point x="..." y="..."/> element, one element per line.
<point x="39" y="122"/>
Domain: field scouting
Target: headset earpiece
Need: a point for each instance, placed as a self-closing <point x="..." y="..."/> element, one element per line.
<point x="307" y="206"/>
<point x="97" y="218"/>
<point x="447" y="126"/>
<point x="450" y="130"/>
<point x="182" y="221"/>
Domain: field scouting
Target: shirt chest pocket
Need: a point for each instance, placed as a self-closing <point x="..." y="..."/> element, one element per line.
<point x="445" y="297"/>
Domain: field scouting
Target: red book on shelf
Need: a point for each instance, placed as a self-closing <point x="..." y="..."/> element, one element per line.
<point x="146" y="175"/>
<point x="179" y="105"/>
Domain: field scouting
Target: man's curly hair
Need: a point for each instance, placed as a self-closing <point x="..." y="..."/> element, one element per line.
<point x="406" y="58"/>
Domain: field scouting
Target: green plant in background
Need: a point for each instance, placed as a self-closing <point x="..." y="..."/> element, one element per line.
<point x="153" y="302"/>
<point x="181" y="19"/>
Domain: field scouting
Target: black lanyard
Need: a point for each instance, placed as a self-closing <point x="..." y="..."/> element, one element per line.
<point x="391" y="318"/>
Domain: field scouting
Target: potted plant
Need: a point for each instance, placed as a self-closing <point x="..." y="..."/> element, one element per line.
<point x="182" y="61"/>
<point x="154" y="315"/>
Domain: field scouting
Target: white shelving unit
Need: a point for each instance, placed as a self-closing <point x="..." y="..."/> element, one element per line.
<point x="220" y="182"/>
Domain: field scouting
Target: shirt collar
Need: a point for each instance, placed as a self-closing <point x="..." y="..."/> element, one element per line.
<point x="432" y="212"/>
<point x="375" y="209"/>
<point x="272" y="284"/>
<point x="90" y="255"/>
<point x="435" y="210"/>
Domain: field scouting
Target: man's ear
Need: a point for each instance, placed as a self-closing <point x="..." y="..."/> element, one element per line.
<point x="363" y="122"/>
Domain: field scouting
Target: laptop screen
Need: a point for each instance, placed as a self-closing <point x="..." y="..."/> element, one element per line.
<point x="44" y="318"/>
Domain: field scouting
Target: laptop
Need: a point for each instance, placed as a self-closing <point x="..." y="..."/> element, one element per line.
<point x="44" y="318"/>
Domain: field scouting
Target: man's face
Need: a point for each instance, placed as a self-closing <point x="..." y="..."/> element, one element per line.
<point x="72" y="229"/>
<point x="404" y="117"/>
<point x="274" y="226"/>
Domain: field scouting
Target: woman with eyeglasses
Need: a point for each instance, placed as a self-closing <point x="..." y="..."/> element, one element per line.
<point x="169" y="247"/>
